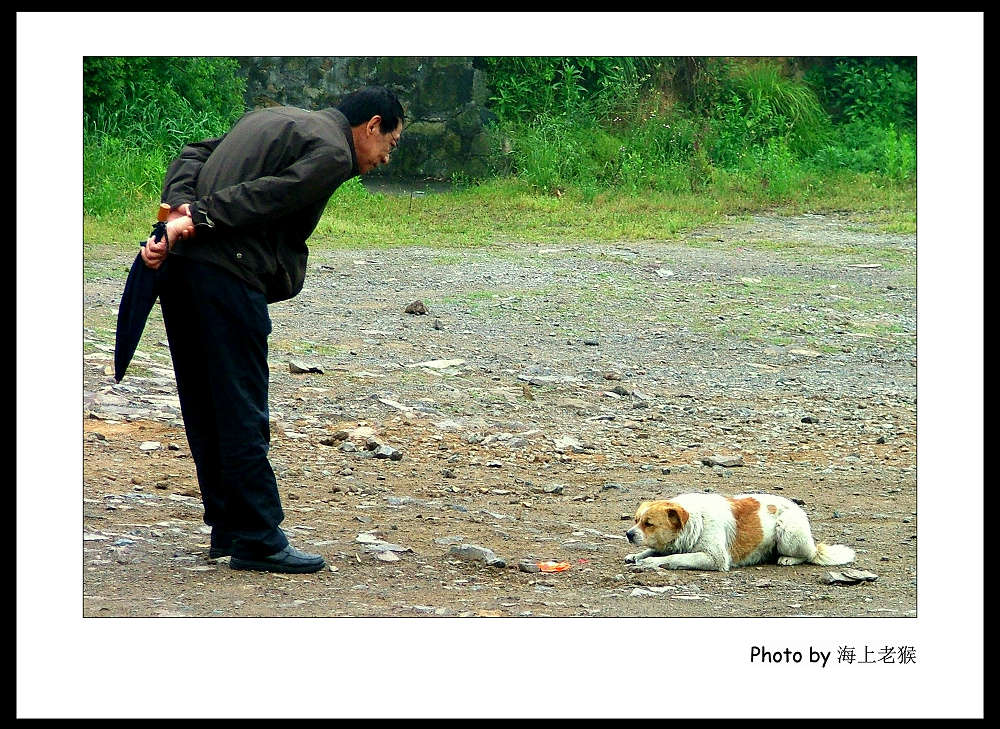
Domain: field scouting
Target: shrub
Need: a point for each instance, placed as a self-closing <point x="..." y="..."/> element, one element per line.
<point x="138" y="114"/>
<point x="877" y="90"/>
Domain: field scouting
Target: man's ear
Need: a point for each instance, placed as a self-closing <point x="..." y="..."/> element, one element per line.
<point x="375" y="124"/>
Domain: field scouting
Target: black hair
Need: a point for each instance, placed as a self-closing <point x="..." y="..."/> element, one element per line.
<point x="366" y="102"/>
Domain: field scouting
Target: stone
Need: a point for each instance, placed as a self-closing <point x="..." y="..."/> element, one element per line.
<point x="384" y="451"/>
<point x="417" y="307"/>
<point x="149" y="445"/>
<point x="438" y="364"/>
<point x="476" y="553"/>
<point x="568" y="443"/>
<point x="848" y="577"/>
<point x="300" y="367"/>
<point x="723" y="461"/>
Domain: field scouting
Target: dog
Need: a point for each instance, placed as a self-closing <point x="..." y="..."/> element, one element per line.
<point x="714" y="532"/>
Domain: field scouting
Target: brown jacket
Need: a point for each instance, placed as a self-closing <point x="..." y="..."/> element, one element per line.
<point x="258" y="192"/>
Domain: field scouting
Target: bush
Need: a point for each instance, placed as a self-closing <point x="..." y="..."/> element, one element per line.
<point x="762" y="107"/>
<point x="877" y="90"/>
<point x="598" y="87"/>
<point x="863" y="147"/>
<point x="138" y="114"/>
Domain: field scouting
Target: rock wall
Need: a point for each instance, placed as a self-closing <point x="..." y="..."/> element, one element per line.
<point x="444" y="99"/>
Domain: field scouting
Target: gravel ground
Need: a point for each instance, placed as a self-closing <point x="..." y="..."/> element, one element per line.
<point x="547" y="390"/>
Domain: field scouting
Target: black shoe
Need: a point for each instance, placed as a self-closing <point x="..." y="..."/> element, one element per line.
<point x="288" y="559"/>
<point x="216" y="552"/>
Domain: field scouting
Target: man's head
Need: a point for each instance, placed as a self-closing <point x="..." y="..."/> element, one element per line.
<point x="376" y="119"/>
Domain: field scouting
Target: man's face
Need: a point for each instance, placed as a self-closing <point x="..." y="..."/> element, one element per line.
<point x="372" y="146"/>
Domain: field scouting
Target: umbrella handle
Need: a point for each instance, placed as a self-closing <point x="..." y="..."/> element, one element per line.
<point x="160" y="227"/>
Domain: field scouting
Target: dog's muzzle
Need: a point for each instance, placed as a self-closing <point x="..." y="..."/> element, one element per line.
<point x="634" y="535"/>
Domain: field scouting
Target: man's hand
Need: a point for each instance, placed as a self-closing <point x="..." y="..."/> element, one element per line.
<point x="179" y="226"/>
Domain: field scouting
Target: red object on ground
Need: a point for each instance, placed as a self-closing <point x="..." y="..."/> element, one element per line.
<point x="553" y="566"/>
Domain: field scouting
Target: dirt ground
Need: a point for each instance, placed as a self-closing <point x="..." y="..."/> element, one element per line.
<point x="548" y="390"/>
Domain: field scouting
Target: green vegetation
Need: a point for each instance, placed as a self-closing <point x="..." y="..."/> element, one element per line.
<point x="138" y="113"/>
<point x="588" y="148"/>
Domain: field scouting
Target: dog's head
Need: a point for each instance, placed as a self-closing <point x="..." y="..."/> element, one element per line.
<point x="657" y="524"/>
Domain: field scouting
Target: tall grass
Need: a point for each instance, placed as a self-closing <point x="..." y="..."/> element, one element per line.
<point x="138" y="114"/>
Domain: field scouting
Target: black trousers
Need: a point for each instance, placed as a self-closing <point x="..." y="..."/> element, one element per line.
<point x="217" y="328"/>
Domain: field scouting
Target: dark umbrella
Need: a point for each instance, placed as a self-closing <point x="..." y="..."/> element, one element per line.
<point x="141" y="289"/>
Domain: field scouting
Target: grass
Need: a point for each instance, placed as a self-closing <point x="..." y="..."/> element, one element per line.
<point x="507" y="211"/>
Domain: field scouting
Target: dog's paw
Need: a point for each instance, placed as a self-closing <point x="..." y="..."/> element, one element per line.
<point x="644" y="565"/>
<point x="790" y="561"/>
<point x="631" y="558"/>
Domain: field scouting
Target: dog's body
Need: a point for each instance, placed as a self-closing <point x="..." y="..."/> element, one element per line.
<point x="713" y="532"/>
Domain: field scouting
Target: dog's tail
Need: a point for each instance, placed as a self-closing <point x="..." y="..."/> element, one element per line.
<point x="832" y="554"/>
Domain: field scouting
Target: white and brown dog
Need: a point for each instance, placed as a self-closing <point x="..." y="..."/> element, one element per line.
<point x="713" y="532"/>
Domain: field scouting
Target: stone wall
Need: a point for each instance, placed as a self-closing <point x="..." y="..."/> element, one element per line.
<point x="444" y="98"/>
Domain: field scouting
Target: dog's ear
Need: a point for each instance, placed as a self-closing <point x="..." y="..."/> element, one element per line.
<point x="677" y="517"/>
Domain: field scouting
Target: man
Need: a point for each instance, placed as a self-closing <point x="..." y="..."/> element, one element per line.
<point x="242" y="207"/>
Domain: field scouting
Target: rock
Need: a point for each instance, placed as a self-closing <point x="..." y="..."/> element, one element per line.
<point x="384" y="451"/>
<point x="149" y="445"/>
<point x="299" y="367"/>
<point x="568" y="443"/>
<point x="438" y="364"/>
<point x="528" y="565"/>
<point x="556" y="488"/>
<point x="805" y="352"/>
<point x="417" y="307"/>
<point x="810" y="419"/>
<point x="476" y="553"/>
<point x="723" y="461"/>
<point x="848" y="577"/>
